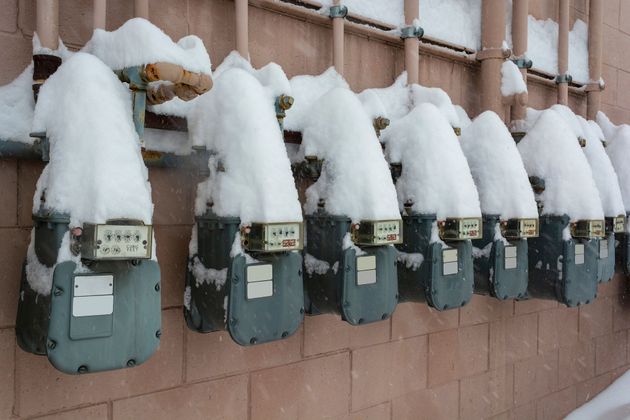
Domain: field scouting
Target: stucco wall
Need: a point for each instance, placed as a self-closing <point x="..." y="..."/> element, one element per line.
<point x="523" y="360"/>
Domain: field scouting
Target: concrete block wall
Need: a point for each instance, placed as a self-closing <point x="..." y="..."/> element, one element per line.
<point x="488" y="360"/>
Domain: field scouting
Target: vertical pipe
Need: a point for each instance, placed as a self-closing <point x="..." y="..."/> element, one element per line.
<point x="99" y="16"/>
<point x="563" y="51"/>
<point x="412" y="56"/>
<point x="491" y="56"/>
<point x="141" y="8"/>
<point x="338" y="41"/>
<point x="595" y="47"/>
<point x="520" y="10"/>
<point x="48" y="23"/>
<point x="242" y="40"/>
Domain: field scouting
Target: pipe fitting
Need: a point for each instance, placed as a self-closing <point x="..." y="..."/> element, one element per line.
<point x="338" y="11"/>
<point x="523" y="63"/>
<point x="411" y="32"/>
<point x="563" y="78"/>
<point x="380" y="123"/>
<point x="199" y="82"/>
<point x="285" y="102"/>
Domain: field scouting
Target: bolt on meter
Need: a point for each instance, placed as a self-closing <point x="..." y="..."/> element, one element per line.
<point x="258" y="298"/>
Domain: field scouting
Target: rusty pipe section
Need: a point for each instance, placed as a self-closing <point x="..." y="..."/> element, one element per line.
<point x="199" y="82"/>
<point x="141" y="9"/>
<point x="412" y="54"/>
<point x="242" y="28"/>
<point x="165" y="92"/>
<point x="338" y="15"/>
<point x="595" y="48"/>
<point x="99" y="14"/>
<point x="492" y="55"/>
<point x="563" y="52"/>
<point x="520" y="10"/>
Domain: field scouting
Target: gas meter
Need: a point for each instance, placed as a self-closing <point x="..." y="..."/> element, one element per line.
<point x="103" y="315"/>
<point x="257" y="298"/>
<point x="438" y="272"/>
<point x="357" y="283"/>
<point x="563" y="260"/>
<point x="623" y="239"/>
<point x="501" y="266"/>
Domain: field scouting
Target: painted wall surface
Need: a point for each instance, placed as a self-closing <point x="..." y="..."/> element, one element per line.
<point x="489" y="360"/>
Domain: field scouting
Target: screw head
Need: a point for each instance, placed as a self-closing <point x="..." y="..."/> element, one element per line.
<point x="82" y="369"/>
<point x="58" y="291"/>
<point x="51" y="344"/>
<point x="158" y="333"/>
<point x="131" y="363"/>
<point x="157" y="287"/>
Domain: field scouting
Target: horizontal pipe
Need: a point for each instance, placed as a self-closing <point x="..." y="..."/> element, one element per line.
<point x="19" y="150"/>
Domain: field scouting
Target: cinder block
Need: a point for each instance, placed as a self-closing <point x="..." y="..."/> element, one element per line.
<point x="596" y="318"/>
<point x="610" y="352"/>
<point x="172" y="252"/>
<point x="7" y="366"/>
<point x="95" y="412"/>
<point x="488" y="394"/>
<point x="557" y="328"/>
<point x="8" y="186"/>
<point x="412" y="319"/>
<point x="535" y="377"/>
<point x="587" y="390"/>
<point x="439" y="403"/>
<point x="513" y="339"/>
<point x="483" y="309"/>
<point x="576" y="363"/>
<point x="557" y="405"/>
<point x="13" y="245"/>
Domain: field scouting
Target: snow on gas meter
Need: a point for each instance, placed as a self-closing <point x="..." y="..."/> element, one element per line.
<point x="90" y="292"/>
<point x="563" y="260"/>
<point x="510" y="216"/>
<point x="245" y="265"/>
<point x="440" y="206"/>
<point x="352" y="220"/>
<point x="617" y="145"/>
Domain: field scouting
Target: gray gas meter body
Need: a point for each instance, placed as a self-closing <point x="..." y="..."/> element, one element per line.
<point x="622" y="250"/>
<point x="501" y="270"/>
<point x="606" y="262"/>
<point x="102" y="317"/>
<point x="257" y="301"/>
<point x="445" y="277"/>
<point x="561" y="268"/>
<point x="361" y="288"/>
<point x="33" y="314"/>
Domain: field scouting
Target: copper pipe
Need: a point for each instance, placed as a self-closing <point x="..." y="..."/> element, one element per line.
<point x="595" y="48"/>
<point x="412" y="54"/>
<point x="99" y="16"/>
<point x="242" y="24"/>
<point x="338" y="41"/>
<point x="199" y="82"/>
<point x="492" y="55"/>
<point x="563" y="51"/>
<point x="164" y="93"/>
<point x="520" y="10"/>
<point x="141" y="9"/>
<point x="48" y="23"/>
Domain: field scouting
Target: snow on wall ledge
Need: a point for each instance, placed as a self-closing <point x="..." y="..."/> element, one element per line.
<point x="96" y="170"/>
<point x="250" y="172"/>
<point x="139" y="42"/>
<point x="497" y="169"/>
<point x="435" y="174"/>
<point x="551" y="151"/>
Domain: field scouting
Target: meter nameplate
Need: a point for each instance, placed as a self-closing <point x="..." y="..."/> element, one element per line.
<point x="366" y="270"/>
<point x="272" y="237"/>
<point x="588" y="229"/>
<point x="93" y="295"/>
<point x="519" y="228"/>
<point x="620" y="224"/>
<point x="460" y="229"/>
<point x="579" y="254"/>
<point x="511" y="260"/>
<point x="377" y="232"/>
<point x="116" y="242"/>
<point x="259" y="281"/>
<point x="603" y="249"/>
<point x="450" y="263"/>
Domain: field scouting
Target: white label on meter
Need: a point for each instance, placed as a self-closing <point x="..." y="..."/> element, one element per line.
<point x="449" y="262"/>
<point x="387" y="232"/>
<point x="93" y="295"/>
<point x="122" y="241"/>
<point x="511" y="260"/>
<point x="366" y="270"/>
<point x="579" y="254"/>
<point x="282" y="236"/>
<point x="603" y="248"/>
<point x="259" y="281"/>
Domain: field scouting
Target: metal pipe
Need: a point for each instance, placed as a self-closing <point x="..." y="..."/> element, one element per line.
<point x="520" y="10"/>
<point x="563" y="51"/>
<point x="141" y="9"/>
<point x="412" y="54"/>
<point x="199" y="82"/>
<point x="595" y="48"/>
<point x="242" y="28"/>
<point x="338" y="40"/>
<point x="492" y="55"/>
<point x="48" y="23"/>
<point x="99" y="16"/>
